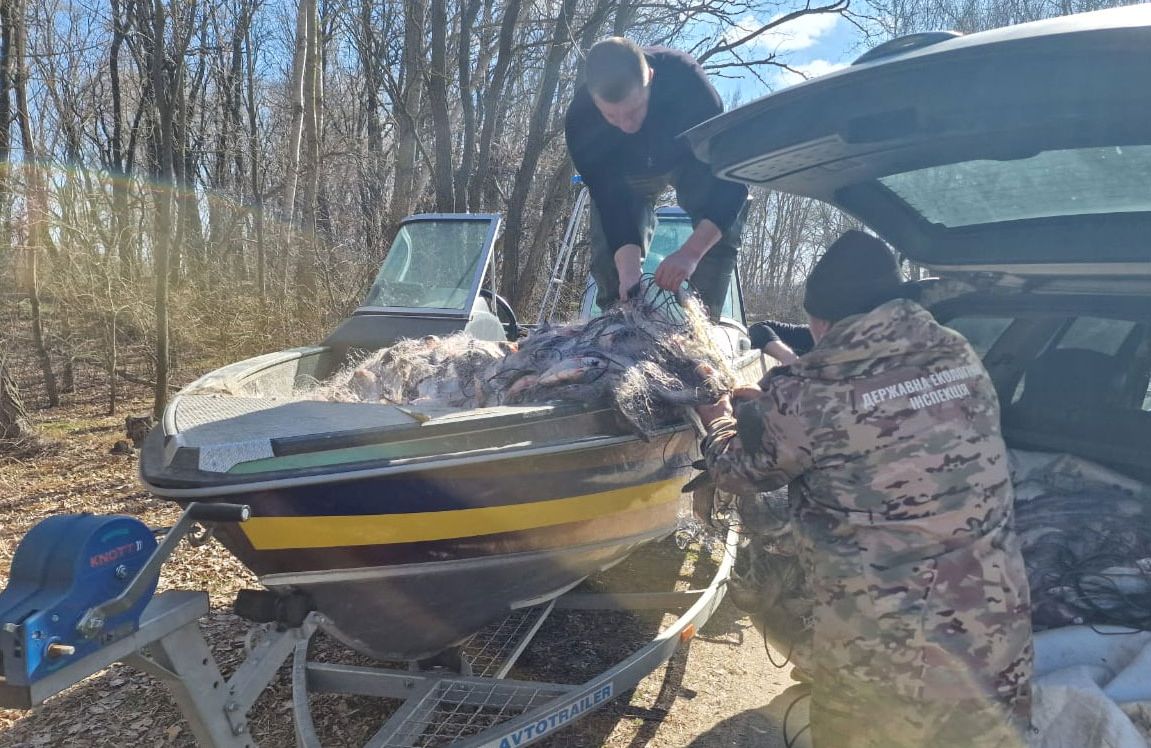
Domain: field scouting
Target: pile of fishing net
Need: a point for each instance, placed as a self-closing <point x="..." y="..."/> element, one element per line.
<point x="1085" y="533"/>
<point x="649" y="357"/>
<point x="1086" y="537"/>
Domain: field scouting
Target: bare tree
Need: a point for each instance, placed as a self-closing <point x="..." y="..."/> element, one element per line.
<point x="14" y="423"/>
<point x="7" y="189"/>
<point x="891" y="18"/>
<point x="492" y="109"/>
<point x="181" y="121"/>
<point x="558" y="46"/>
<point x="438" y="77"/>
<point x="35" y="201"/>
<point x="467" y="102"/>
<point x="298" y="90"/>
<point x="406" y="92"/>
<point x="165" y="66"/>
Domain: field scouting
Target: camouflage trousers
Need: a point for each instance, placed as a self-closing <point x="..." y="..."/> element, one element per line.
<point x="847" y="714"/>
<point x="933" y="652"/>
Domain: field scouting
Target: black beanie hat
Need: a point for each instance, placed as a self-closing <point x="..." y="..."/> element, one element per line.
<point x="856" y="274"/>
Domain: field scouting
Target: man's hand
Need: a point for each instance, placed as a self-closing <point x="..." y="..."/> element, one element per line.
<point x="675" y="269"/>
<point x="718" y="409"/>
<point x="681" y="264"/>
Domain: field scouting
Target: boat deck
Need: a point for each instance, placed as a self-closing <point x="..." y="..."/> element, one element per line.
<point x="204" y="420"/>
<point x="227" y="431"/>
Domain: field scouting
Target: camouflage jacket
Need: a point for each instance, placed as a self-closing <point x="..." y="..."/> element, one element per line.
<point x="887" y="434"/>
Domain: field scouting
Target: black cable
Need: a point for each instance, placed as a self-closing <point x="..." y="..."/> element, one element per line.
<point x="786" y="658"/>
<point x="1098" y="597"/>
<point x="795" y="737"/>
<point x="1092" y="587"/>
<point x="790" y="742"/>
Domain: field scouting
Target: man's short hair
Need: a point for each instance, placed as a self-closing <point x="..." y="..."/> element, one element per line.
<point x="615" y="67"/>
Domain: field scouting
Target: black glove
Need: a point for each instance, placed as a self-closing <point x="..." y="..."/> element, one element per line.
<point x="761" y="333"/>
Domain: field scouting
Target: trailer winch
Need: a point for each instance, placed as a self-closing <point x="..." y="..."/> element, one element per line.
<point x="53" y="611"/>
<point x="79" y="584"/>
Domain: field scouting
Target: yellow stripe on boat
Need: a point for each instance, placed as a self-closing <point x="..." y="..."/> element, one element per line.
<point x="282" y="533"/>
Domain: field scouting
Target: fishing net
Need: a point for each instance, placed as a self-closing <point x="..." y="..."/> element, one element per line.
<point x="1086" y="536"/>
<point x="649" y="357"/>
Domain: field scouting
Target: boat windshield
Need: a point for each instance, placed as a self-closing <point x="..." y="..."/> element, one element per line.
<point x="434" y="263"/>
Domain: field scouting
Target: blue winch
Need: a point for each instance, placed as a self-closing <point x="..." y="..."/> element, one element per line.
<point x="63" y="571"/>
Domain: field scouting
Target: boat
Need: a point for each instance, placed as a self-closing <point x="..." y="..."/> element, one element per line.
<point x="409" y="531"/>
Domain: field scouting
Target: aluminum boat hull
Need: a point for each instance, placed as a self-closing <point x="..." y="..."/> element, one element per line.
<point x="412" y="536"/>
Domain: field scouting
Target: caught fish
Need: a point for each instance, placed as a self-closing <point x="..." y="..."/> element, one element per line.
<point x="520" y="386"/>
<point x="571" y="370"/>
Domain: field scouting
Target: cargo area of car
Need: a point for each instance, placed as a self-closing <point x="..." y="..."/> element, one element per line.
<point x="1073" y="372"/>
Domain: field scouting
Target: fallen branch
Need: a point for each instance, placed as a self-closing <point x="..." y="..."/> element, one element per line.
<point x="123" y="374"/>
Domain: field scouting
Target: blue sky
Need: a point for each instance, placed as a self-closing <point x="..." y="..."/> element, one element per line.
<point x="812" y="45"/>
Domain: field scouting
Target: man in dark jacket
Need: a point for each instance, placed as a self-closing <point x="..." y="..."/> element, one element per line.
<point x="887" y="436"/>
<point x="623" y="130"/>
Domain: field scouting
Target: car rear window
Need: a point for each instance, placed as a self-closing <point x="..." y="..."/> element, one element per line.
<point x="1097" y="334"/>
<point x="1083" y="181"/>
<point x="1115" y="344"/>
<point x="1069" y="381"/>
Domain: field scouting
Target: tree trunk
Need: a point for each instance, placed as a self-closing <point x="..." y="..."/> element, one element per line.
<point x="533" y="149"/>
<point x="113" y="362"/>
<point x="310" y="163"/>
<point x="624" y="16"/>
<point x="554" y="206"/>
<point x="372" y="172"/>
<point x="304" y="13"/>
<point x="14" y="423"/>
<point x="237" y="178"/>
<point x="6" y="23"/>
<point x="124" y="254"/>
<point x="438" y="103"/>
<point x="163" y="100"/>
<point x="188" y="251"/>
<point x="36" y="208"/>
<point x="408" y="114"/>
<point x="467" y="99"/>
<point x="492" y="110"/>
<point x="254" y="152"/>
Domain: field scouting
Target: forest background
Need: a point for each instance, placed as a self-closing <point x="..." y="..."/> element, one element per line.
<point x="185" y="183"/>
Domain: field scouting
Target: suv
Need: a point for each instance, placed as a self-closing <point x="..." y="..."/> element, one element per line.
<point x="1015" y="164"/>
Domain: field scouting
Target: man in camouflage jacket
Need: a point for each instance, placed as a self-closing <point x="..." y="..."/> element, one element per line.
<point x="887" y="434"/>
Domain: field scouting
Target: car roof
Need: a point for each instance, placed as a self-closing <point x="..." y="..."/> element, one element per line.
<point x="1025" y="148"/>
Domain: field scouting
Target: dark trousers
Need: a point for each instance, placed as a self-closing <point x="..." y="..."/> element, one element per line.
<point x="713" y="274"/>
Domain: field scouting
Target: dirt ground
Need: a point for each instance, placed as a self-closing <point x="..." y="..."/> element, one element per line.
<point x="721" y="689"/>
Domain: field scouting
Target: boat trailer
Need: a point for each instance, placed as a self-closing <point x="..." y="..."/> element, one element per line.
<point x="82" y="596"/>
